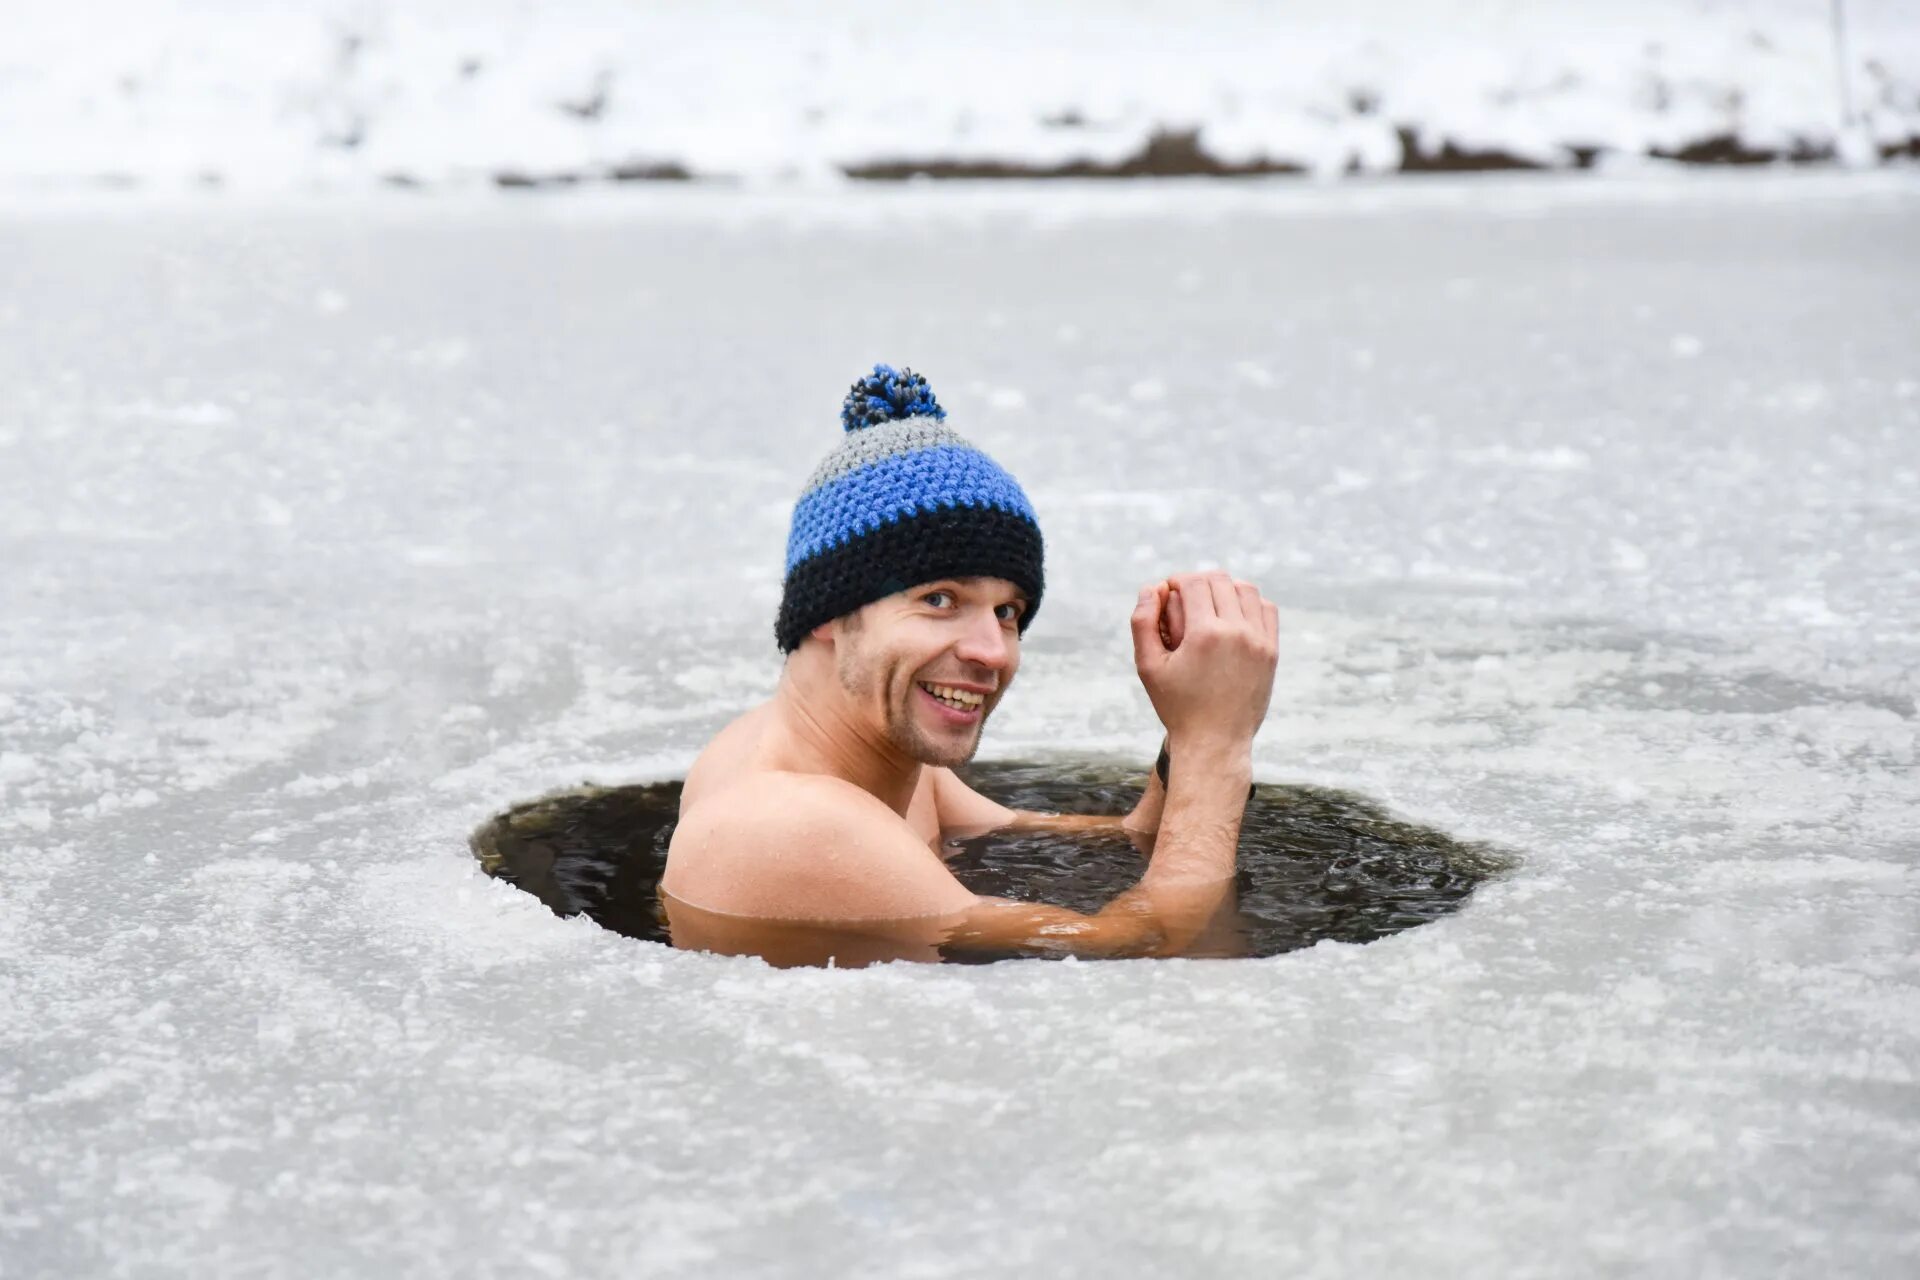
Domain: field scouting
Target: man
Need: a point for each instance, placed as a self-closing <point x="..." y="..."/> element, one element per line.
<point x="811" y="824"/>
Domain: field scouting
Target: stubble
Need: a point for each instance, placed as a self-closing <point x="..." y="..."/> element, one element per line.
<point x="864" y="677"/>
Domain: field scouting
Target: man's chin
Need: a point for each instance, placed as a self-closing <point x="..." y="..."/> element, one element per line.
<point x="947" y="756"/>
<point x="950" y="760"/>
<point x="950" y="754"/>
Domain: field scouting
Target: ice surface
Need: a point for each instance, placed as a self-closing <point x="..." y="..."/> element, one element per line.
<point x="290" y="95"/>
<point x="329" y="530"/>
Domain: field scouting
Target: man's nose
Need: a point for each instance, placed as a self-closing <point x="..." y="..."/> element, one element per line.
<point x="986" y="642"/>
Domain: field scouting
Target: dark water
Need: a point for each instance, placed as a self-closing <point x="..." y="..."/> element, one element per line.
<point x="1314" y="863"/>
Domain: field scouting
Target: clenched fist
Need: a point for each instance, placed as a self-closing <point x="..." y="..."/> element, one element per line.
<point x="1205" y="646"/>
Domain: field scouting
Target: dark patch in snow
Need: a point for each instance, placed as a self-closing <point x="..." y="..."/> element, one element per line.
<point x="1730" y="149"/>
<point x="594" y="105"/>
<point x="519" y="180"/>
<point x="1168" y="153"/>
<point x="627" y="171"/>
<point x="650" y="171"/>
<point x="1453" y="158"/>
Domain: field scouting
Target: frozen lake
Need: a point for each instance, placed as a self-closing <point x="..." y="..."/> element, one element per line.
<point x="329" y="530"/>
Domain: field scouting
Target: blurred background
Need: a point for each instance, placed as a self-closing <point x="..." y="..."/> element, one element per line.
<point x="475" y="91"/>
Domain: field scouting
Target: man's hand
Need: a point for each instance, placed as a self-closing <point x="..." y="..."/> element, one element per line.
<point x="1205" y="646"/>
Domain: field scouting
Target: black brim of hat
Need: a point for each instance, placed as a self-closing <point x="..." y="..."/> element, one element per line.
<point x="948" y="542"/>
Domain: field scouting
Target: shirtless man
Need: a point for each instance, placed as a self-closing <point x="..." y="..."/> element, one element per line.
<point x="812" y="822"/>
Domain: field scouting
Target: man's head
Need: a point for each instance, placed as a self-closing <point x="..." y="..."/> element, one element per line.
<point x="902" y="510"/>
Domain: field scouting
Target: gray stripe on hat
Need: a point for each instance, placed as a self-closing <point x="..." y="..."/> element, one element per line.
<point x="889" y="439"/>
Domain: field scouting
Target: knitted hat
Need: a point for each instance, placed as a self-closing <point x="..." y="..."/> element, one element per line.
<point x="903" y="500"/>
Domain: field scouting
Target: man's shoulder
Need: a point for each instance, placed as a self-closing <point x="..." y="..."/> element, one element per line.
<point x="790" y="845"/>
<point x="755" y="800"/>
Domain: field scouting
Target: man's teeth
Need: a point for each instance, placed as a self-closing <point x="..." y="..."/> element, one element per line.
<point x="958" y="699"/>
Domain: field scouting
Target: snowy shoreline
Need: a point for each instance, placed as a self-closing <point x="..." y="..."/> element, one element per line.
<point x="429" y="94"/>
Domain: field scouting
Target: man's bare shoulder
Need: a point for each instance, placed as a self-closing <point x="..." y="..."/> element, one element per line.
<point x="753" y="799"/>
<point x="734" y="753"/>
<point x="800" y="846"/>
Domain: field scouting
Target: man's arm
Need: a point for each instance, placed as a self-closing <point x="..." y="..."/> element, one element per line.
<point x="960" y="806"/>
<point x="1210" y="677"/>
<point x="1189" y="878"/>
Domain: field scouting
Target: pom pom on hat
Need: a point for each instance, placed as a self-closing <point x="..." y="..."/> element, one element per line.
<point x="889" y="395"/>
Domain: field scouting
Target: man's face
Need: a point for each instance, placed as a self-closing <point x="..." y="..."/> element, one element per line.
<point x="932" y="662"/>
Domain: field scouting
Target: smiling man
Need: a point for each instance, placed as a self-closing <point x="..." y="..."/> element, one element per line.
<point x="914" y="567"/>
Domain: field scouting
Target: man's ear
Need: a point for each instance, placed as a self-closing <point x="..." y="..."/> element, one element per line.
<point x="824" y="632"/>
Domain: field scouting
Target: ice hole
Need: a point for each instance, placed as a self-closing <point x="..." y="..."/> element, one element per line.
<point x="1314" y="863"/>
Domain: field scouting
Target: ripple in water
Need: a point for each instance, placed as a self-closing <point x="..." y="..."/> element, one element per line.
<point x="1314" y="863"/>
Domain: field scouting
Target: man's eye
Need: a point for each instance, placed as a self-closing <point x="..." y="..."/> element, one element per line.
<point x="1009" y="612"/>
<point x="938" y="599"/>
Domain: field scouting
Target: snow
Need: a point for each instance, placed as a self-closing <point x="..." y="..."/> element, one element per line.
<point x="291" y="604"/>
<point x="343" y="92"/>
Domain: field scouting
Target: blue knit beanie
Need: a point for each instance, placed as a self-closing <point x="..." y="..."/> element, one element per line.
<point x="902" y="500"/>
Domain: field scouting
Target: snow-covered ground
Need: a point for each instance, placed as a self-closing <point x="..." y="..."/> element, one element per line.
<point x="329" y="529"/>
<point x="351" y="92"/>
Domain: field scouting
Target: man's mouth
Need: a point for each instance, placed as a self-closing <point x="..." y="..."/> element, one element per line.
<point x="966" y="701"/>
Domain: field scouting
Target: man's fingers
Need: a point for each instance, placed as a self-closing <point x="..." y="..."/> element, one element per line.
<point x="1146" y="623"/>
<point x="1197" y="597"/>
<point x="1249" y="601"/>
<point x="1226" y="601"/>
<point x="1271" y="612"/>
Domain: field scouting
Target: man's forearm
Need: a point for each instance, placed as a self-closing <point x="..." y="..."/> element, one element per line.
<point x="1140" y="822"/>
<point x="1199" y="820"/>
<point x="1144" y="820"/>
